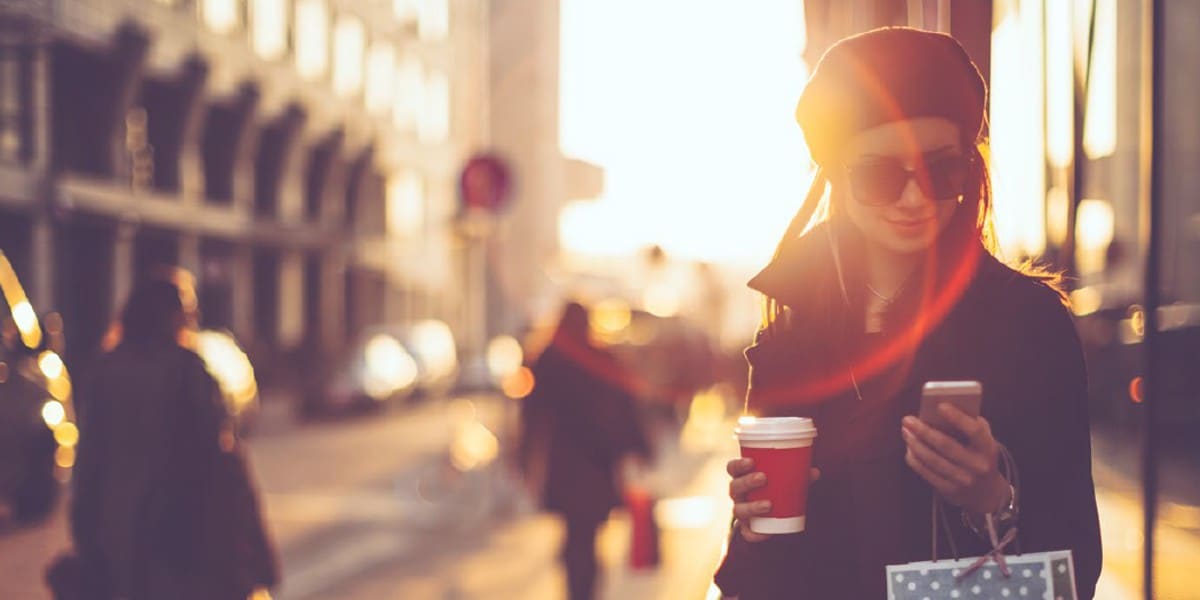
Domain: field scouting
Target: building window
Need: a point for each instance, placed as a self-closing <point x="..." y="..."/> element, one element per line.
<point x="406" y="204"/>
<point x="381" y="66"/>
<point x="409" y="102"/>
<point x="1100" y="118"/>
<point x="312" y="38"/>
<point x="269" y="28"/>
<point x="221" y="16"/>
<point x="14" y="103"/>
<point x="435" y="117"/>
<point x="349" y="43"/>
<point x="1094" y="226"/>
<point x="405" y="10"/>
<point x="1060" y="85"/>
<point x="1018" y="129"/>
<point x="433" y="19"/>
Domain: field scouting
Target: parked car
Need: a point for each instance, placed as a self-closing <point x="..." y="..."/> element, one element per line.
<point x="37" y="421"/>
<point x="436" y="353"/>
<point x="375" y="370"/>
<point x="387" y="363"/>
<point x="1113" y="342"/>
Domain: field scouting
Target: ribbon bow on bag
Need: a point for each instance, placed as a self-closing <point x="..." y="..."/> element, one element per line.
<point x="1039" y="574"/>
<point x="996" y="553"/>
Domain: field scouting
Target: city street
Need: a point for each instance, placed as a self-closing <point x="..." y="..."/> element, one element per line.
<point x="342" y="497"/>
<point x="473" y="214"/>
<point x="369" y="507"/>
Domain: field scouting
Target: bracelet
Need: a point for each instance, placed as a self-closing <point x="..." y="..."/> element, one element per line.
<point x="1005" y="517"/>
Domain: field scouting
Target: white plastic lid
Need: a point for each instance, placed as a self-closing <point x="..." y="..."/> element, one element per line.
<point x="769" y="429"/>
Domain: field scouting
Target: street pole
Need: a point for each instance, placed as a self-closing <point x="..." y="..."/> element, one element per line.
<point x="475" y="228"/>
<point x="1152" y="103"/>
<point x="484" y="185"/>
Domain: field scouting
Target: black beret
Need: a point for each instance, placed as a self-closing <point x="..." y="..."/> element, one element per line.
<point x="887" y="75"/>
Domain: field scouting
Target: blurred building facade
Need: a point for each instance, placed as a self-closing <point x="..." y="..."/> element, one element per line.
<point x="524" y="128"/>
<point x="300" y="156"/>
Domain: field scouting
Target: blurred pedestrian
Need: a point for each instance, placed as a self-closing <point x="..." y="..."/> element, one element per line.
<point x="163" y="504"/>
<point x="886" y="279"/>
<point x="579" y="427"/>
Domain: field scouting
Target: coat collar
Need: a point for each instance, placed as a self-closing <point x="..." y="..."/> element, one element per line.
<point x="800" y="265"/>
<point x="805" y="264"/>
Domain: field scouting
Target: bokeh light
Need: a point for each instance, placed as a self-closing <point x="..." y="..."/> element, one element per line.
<point x="53" y="413"/>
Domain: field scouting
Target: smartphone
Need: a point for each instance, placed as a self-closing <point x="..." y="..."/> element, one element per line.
<point x="966" y="395"/>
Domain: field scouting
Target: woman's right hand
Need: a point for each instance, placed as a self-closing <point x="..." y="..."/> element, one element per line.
<point x="746" y="480"/>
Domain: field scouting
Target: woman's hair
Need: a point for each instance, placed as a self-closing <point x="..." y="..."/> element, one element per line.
<point x="864" y="81"/>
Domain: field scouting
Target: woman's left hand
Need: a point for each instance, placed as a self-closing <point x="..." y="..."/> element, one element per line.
<point x="968" y="475"/>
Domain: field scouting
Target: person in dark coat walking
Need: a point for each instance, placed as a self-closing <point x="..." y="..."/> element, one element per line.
<point x="163" y="505"/>
<point x="578" y="426"/>
<point x="894" y="283"/>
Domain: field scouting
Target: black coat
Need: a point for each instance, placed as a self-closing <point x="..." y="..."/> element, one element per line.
<point x="869" y="509"/>
<point x="576" y="425"/>
<point x="160" y="509"/>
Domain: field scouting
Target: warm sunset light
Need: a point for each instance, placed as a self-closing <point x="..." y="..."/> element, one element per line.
<point x="1018" y="133"/>
<point x="707" y="162"/>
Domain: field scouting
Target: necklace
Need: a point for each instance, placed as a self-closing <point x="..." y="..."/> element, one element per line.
<point x="875" y="292"/>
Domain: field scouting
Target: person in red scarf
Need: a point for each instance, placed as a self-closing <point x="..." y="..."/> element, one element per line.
<point x="578" y="426"/>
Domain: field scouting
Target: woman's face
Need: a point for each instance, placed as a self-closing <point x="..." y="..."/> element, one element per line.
<point x="902" y="182"/>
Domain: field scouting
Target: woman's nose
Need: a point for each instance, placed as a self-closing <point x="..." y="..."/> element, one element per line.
<point x="912" y="196"/>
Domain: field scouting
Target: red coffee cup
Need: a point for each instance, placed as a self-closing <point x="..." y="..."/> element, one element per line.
<point x="782" y="449"/>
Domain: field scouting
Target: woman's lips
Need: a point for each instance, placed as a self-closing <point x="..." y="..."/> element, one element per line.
<point x="911" y="226"/>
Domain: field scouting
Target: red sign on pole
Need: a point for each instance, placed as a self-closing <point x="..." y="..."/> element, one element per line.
<point x="484" y="184"/>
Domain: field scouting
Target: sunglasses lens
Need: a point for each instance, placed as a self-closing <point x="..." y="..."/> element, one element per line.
<point x="947" y="177"/>
<point x="878" y="183"/>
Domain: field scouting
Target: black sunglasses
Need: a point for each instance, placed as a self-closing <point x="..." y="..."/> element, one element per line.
<point x="881" y="181"/>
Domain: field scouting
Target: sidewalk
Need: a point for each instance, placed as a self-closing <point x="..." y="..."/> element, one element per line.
<point x="517" y="555"/>
<point x="1117" y="470"/>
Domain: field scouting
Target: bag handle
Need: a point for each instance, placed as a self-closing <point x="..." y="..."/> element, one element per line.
<point x="1008" y="469"/>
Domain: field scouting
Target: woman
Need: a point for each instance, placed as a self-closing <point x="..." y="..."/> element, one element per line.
<point x="577" y="428"/>
<point x="163" y="506"/>
<point x="888" y="279"/>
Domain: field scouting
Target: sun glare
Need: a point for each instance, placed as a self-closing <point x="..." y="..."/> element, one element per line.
<point x="696" y="136"/>
<point x="1018" y="132"/>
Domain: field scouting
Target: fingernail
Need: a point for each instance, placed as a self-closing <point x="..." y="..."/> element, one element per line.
<point x="908" y="421"/>
<point x="763" y="505"/>
<point x="760" y="478"/>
